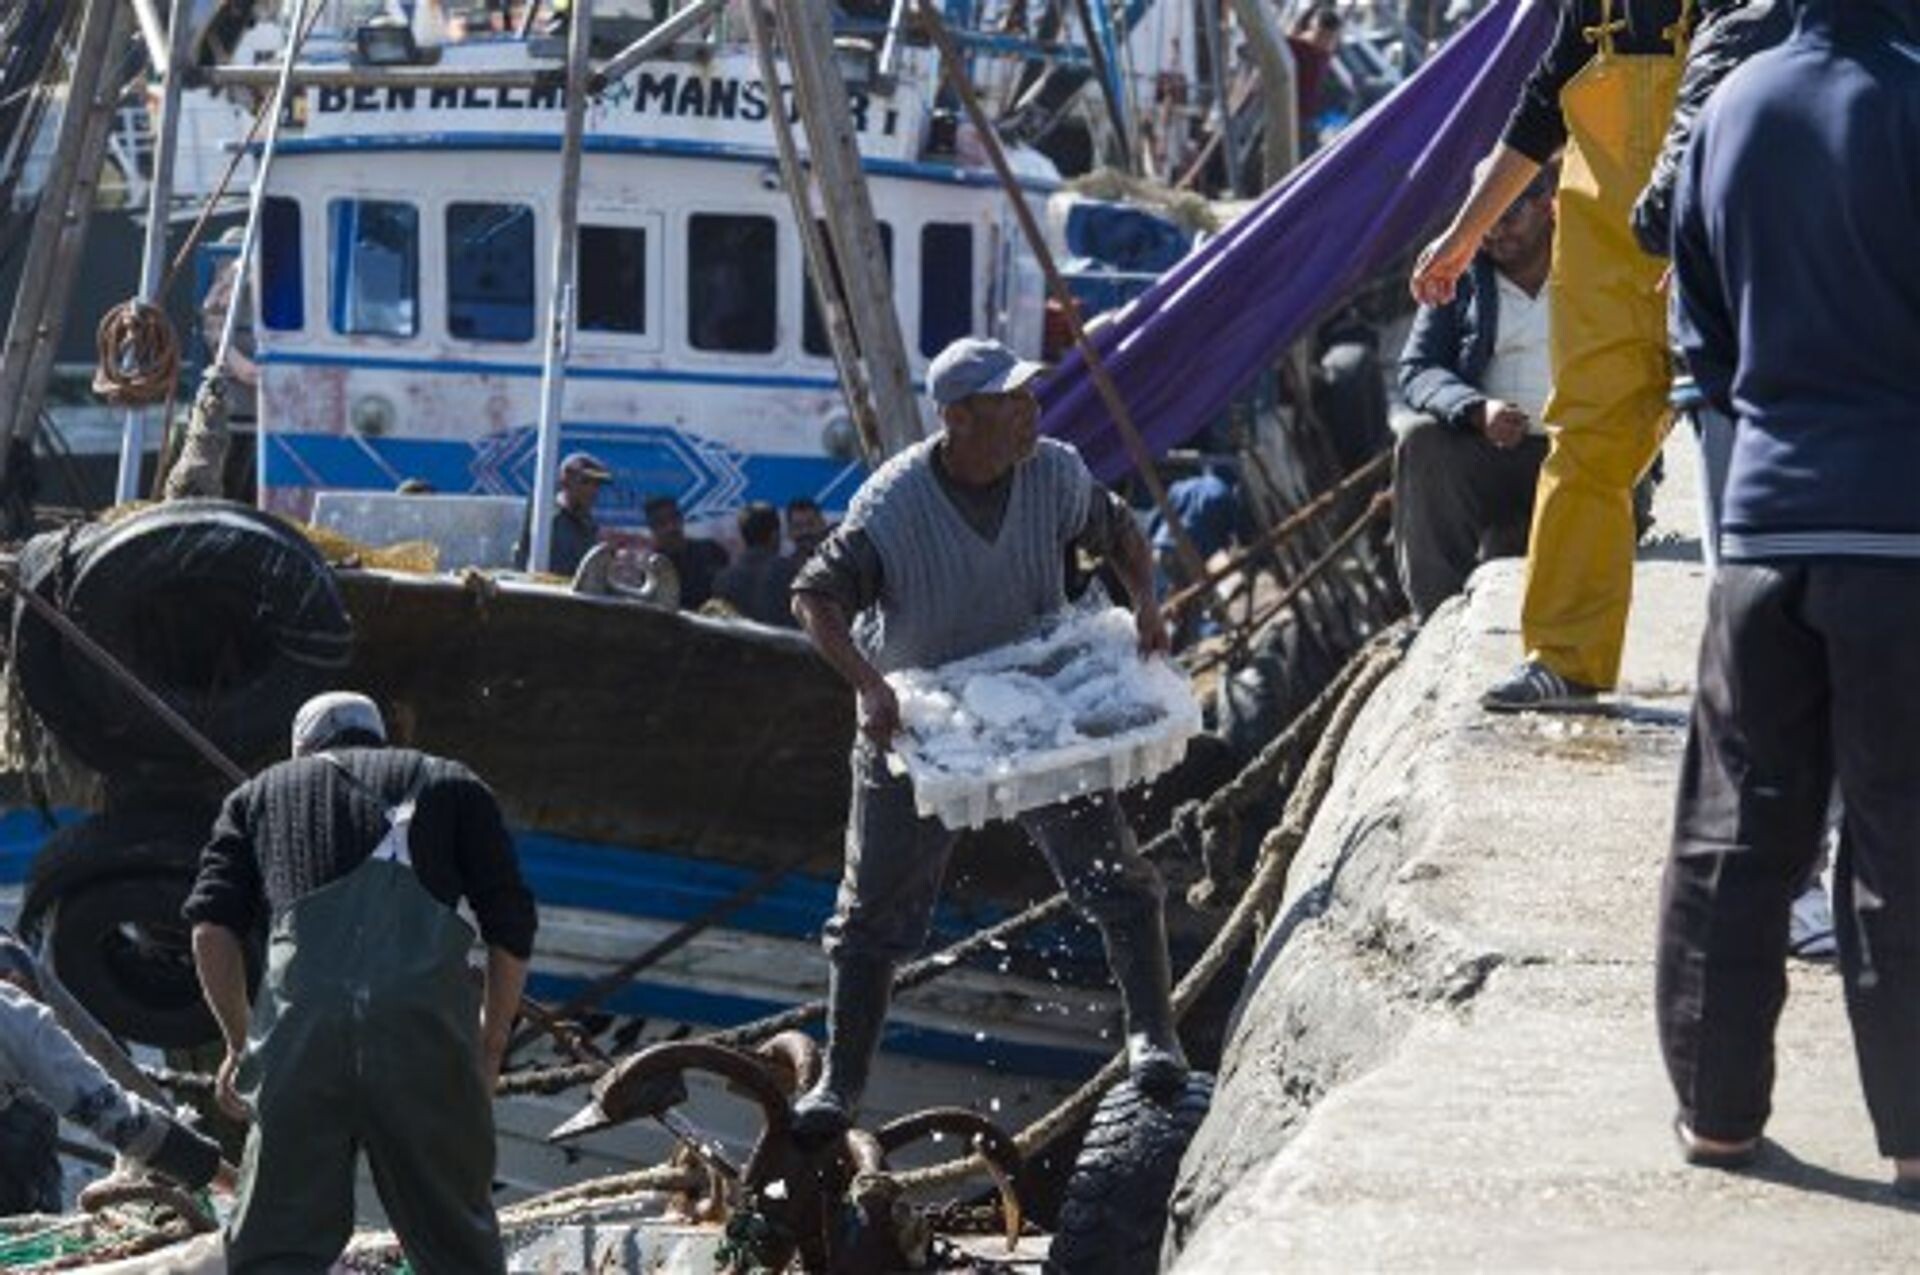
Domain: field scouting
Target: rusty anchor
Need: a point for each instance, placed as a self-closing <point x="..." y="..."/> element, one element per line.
<point x="836" y="1207"/>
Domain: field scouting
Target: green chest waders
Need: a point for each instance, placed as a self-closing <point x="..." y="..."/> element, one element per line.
<point x="365" y="1036"/>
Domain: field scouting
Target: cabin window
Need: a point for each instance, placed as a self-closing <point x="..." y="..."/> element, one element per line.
<point x="490" y="272"/>
<point x="613" y="279"/>
<point x="732" y="283"/>
<point x="376" y="267"/>
<point x="813" y="328"/>
<point x="946" y="284"/>
<point x="283" y="297"/>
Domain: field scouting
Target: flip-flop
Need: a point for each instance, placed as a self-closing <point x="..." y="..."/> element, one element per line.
<point x="1906" y="1188"/>
<point x="1737" y="1157"/>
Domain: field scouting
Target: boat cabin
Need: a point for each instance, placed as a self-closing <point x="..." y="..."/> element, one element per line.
<point x="406" y="247"/>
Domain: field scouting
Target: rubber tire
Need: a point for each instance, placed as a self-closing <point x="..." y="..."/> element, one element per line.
<point x="120" y="946"/>
<point x="179" y="574"/>
<point x="1114" y="1218"/>
<point x="146" y="840"/>
<point x="91" y="878"/>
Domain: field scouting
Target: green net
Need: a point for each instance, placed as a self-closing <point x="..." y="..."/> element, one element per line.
<point x="28" y="1241"/>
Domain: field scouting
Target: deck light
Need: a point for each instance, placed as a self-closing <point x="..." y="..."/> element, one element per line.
<point x="840" y="439"/>
<point x="386" y="41"/>
<point x="855" y="58"/>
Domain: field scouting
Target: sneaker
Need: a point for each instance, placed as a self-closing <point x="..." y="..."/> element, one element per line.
<point x="1810" y="926"/>
<point x="1535" y="686"/>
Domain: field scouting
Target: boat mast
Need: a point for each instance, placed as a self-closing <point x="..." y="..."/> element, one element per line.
<point x="820" y="95"/>
<point x="831" y="299"/>
<point x="61" y="220"/>
<point x="581" y="79"/>
<point x="171" y="62"/>
<point x="1280" y="142"/>
<point x="553" y="370"/>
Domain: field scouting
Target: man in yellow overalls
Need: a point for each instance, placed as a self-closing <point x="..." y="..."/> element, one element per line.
<point x="1605" y="90"/>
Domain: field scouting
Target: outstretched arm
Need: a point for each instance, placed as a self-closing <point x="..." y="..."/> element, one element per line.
<point x="38" y="1052"/>
<point x="1443" y="261"/>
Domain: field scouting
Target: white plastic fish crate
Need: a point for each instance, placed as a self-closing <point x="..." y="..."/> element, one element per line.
<point x="1069" y="712"/>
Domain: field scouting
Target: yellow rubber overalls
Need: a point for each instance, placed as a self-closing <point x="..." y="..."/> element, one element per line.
<point x="1607" y="414"/>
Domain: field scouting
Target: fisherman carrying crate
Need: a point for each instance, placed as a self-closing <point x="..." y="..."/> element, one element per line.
<point x="956" y="546"/>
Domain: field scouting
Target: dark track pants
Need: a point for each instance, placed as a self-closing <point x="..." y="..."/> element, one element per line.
<point x="1808" y="671"/>
<point x="1457" y="499"/>
<point x="896" y="861"/>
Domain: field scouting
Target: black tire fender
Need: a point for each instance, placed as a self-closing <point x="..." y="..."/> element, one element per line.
<point x="102" y="904"/>
<point x="148" y="840"/>
<point x="227" y="613"/>
<point x="1114" y="1218"/>
<point x="118" y="943"/>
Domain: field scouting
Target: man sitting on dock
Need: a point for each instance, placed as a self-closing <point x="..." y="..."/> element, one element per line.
<point x="368" y="1032"/>
<point x="1477" y="371"/>
<point x="956" y="546"/>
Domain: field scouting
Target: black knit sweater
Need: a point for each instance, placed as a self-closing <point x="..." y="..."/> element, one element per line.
<point x="302" y="824"/>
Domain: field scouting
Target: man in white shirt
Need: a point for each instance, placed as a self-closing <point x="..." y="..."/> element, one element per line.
<point x="1477" y="372"/>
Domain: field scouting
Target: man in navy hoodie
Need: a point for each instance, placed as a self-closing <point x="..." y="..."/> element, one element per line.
<point x="1798" y="310"/>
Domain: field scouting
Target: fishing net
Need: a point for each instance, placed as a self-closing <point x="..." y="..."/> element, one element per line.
<point x="419" y="557"/>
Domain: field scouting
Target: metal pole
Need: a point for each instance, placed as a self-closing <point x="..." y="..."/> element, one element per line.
<point x="153" y="251"/>
<point x="328" y="75"/>
<point x="653" y="42"/>
<point x="161" y="52"/>
<point x="889" y="68"/>
<point x="1216" y="53"/>
<point x="553" y="370"/>
<point x="846" y="354"/>
<point x="257" y="198"/>
<point x="1136" y="446"/>
<point x="1096" y="24"/>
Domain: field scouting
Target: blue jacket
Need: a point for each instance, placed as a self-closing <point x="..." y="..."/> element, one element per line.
<point x="1798" y="284"/>
<point x="1449" y="348"/>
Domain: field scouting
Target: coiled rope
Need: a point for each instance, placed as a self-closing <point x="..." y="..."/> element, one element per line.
<point x="138" y="356"/>
<point x="137" y="350"/>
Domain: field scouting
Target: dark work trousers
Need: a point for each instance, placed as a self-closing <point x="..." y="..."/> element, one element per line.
<point x="1457" y="499"/>
<point x="29" y="1158"/>
<point x="1808" y="670"/>
<point x="897" y="860"/>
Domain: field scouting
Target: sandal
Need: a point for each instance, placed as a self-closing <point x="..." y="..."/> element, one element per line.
<point x="1735" y="1156"/>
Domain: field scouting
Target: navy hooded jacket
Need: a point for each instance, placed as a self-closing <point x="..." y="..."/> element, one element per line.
<point x="1797" y="272"/>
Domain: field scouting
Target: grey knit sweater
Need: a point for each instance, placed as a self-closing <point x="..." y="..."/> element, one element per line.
<point x="948" y="592"/>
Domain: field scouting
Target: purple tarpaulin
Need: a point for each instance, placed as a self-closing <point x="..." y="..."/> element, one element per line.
<point x="1220" y="317"/>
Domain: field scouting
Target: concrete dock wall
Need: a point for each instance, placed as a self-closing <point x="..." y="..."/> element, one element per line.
<point x="1445" y="1057"/>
